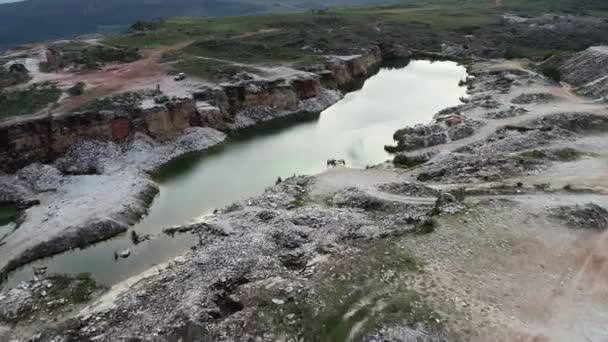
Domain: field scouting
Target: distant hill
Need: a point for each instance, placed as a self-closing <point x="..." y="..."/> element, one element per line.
<point x="38" y="20"/>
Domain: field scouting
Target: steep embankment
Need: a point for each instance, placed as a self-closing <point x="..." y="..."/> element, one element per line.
<point x="588" y="72"/>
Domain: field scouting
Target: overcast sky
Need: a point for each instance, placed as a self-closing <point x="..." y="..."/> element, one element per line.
<point x="7" y="1"/>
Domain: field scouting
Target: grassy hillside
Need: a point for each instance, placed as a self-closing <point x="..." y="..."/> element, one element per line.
<point x="52" y="19"/>
<point x="49" y="19"/>
<point x="425" y="25"/>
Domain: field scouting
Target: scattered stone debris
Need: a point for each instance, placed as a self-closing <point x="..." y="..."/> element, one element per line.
<point x="404" y="332"/>
<point x="41" y="178"/>
<point x="513" y="111"/>
<point x="409" y="189"/>
<point x="588" y="216"/>
<point x="587" y="71"/>
<point x="446" y="128"/>
<point x="554" y="154"/>
<point x="537" y="98"/>
<point x="44" y="296"/>
<point x="574" y="122"/>
<point x="467" y="168"/>
<point x="448" y="203"/>
<point x="356" y="198"/>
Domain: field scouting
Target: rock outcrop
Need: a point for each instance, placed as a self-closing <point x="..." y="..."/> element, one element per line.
<point x="588" y="72"/>
<point x="588" y="216"/>
<point x="444" y="128"/>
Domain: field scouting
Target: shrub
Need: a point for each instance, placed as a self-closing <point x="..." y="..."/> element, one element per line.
<point x="77" y="89"/>
<point x="552" y="72"/>
<point x="29" y="100"/>
<point x="426" y="227"/>
<point x="459" y="194"/>
<point x="405" y="161"/>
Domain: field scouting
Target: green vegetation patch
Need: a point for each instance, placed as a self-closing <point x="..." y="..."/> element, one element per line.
<point x="209" y="69"/>
<point x="77" y="89"/>
<point x="300" y="36"/>
<point x="560" y="154"/>
<point x="278" y="46"/>
<point x="55" y="294"/>
<point x="423" y="25"/>
<point x="29" y="100"/>
<point x="299" y="200"/>
<point x="404" y="161"/>
<point x="13" y="74"/>
<point x="426" y="227"/>
<point x="75" y="290"/>
<point x="126" y="101"/>
<point x="536" y="54"/>
<point x="87" y="56"/>
<point x="352" y="296"/>
<point x="552" y="72"/>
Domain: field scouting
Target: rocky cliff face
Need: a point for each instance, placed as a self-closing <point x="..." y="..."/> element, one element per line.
<point x="588" y="72"/>
<point x="44" y="138"/>
<point x="227" y="107"/>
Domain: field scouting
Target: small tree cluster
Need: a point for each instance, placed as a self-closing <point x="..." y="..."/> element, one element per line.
<point x="77" y="89"/>
<point x="552" y="72"/>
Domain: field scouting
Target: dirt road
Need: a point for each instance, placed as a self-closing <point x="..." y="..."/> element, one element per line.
<point x="147" y="71"/>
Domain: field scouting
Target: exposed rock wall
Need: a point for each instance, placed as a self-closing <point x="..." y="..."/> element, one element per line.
<point x="229" y="106"/>
<point x="588" y="72"/>
<point x="345" y="70"/>
<point x="44" y="138"/>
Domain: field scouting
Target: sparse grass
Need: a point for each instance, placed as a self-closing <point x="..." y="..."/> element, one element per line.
<point x="560" y="154"/>
<point x="276" y="46"/>
<point x="12" y="75"/>
<point x="460" y="194"/>
<point x="567" y="154"/>
<point x="426" y="227"/>
<point x="76" y="289"/>
<point x="366" y="290"/>
<point x="126" y="101"/>
<point x="64" y="292"/>
<point x="210" y="69"/>
<point x="307" y="36"/>
<point x="299" y="200"/>
<point x="534" y="154"/>
<point x="29" y="100"/>
<point x="533" y="53"/>
<point x="84" y="55"/>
